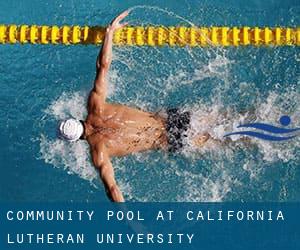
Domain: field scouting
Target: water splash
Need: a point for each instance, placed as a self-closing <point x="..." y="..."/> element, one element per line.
<point x="74" y="158"/>
<point x="192" y="185"/>
<point x="211" y="84"/>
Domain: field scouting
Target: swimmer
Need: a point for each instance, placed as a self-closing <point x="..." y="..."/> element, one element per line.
<point x="114" y="130"/>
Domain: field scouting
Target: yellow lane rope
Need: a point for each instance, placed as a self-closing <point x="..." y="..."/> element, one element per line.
<point x="152" y="35"/>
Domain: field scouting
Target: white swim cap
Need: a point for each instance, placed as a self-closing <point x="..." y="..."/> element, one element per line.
<point x="70" y="130"/>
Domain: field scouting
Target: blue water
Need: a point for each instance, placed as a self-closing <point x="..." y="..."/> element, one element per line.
<point x="42" y="84"/>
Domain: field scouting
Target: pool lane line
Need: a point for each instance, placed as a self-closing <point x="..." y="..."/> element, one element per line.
<point x="152" y="35"/>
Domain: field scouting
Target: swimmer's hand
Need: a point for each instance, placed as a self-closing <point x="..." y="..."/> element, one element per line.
<point x="115" y="24"/>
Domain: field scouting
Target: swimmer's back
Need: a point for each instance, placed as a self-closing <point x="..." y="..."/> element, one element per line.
<point x="126" y="130"/>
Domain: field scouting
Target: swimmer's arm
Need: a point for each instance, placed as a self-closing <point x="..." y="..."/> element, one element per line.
<point x="105" y="56"/>
<point x="103" y="164"/>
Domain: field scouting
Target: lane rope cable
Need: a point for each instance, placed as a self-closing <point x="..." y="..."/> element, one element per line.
<point x="152" y="35"/>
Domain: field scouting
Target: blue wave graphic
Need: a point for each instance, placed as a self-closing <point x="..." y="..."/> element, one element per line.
<point x="284" y="121"/>
<point x="262" y="136"/>
<point x="269" y="128"/>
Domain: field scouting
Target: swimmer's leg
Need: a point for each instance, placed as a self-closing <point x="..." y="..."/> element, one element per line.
<point x="200" y="140"/>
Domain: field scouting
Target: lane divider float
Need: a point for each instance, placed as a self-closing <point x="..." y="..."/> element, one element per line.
<point x="152" y="35"/>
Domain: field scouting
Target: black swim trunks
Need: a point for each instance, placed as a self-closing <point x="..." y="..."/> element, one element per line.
<point x="177" y="125"/>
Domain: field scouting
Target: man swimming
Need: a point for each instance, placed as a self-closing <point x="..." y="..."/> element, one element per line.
<point x="117" y="130"/>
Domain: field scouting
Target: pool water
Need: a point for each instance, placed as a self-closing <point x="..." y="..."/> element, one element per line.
<point x="43" y="84"/>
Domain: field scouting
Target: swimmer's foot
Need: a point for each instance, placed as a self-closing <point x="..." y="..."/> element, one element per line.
<point x="200" y="140"/>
